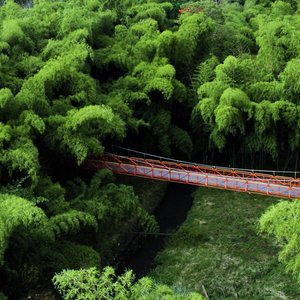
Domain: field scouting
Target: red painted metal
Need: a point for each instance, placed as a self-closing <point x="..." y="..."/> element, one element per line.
<point x="210" y="176"/>
<point x="191" y="9"/>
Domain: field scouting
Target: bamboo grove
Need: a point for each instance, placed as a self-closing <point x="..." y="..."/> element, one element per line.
<point x="78" y="76"/>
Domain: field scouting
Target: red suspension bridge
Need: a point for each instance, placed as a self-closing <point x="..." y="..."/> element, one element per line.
<point x="240" y="180"/>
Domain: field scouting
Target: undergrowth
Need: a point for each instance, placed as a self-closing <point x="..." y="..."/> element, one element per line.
<point x="217" y="250"/>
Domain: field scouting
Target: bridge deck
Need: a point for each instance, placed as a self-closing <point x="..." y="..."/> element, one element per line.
<point x="223" y="178"/>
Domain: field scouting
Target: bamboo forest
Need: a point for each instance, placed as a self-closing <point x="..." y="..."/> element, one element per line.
<point x="149" y="149"/>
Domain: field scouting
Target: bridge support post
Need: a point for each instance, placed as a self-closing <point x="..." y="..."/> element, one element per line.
<point x="246" y="186"/>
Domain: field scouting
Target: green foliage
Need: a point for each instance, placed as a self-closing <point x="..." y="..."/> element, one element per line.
<point x="281" y="221"/>
<point x="291" y="84"/>
<point x="229" y="114"/>
<point x="182" y="140"/>
<point x="98" y="207"/>
<point x="21" y="156"/>
<point x="153" y="10"/>
<point x="205" y="72"/>
<point x="218" y="248"/>
<point x="12" y="33"/>
<point x="147" y="289"/>
<point x="233" y="35"/>
<point x="71" y="222"/>
<point x="91" y="284"/>
<point x="80" y="131"/>
<point x="267" y="79"/>
<point x="66" y="254"/>
<point x="157" y="78"/>
<point x="77" y="76"/>
<point x="5" y="97"/>
<point x="2" y="296"/>
<point x="15" y="212"/>
<point x="191" y="36"/>
<point x="110" y="205"/>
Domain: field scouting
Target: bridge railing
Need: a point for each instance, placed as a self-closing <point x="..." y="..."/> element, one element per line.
<point x="292" y="175"/>
<point x="177" y="165"/>
<point x="211" y="177"/>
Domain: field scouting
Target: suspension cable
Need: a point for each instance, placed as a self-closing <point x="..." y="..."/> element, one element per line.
<point x="203" y="165"/>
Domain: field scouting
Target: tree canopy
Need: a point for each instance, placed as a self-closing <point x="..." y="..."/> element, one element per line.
<point x="216" y="82"/>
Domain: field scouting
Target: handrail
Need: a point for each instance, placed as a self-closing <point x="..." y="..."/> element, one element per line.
<point x="200" y="175"/>
<point x="144" y="154"/>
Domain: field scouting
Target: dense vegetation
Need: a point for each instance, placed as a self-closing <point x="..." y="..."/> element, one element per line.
<point x="218" y="83"/>
<point x="217" y="249"/>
